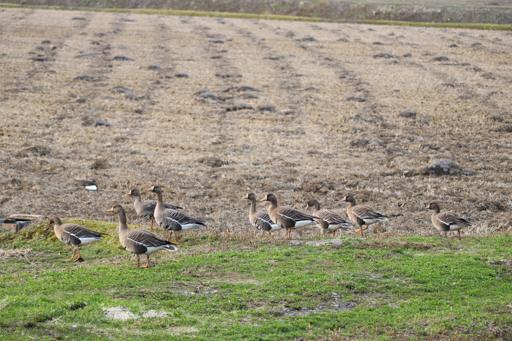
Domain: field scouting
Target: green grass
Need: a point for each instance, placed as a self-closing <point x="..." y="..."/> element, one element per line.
<point x="233" y="288"/>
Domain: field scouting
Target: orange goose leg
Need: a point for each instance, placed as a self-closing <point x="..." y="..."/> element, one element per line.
<point x="138" y="261"/>
<point x="170" y="234"/>
<point x="459" y="233"/>
<point x="270" y="234"/>
<point x="175" y="237"/>
<point x="333" y="233"/>
<point x="73" y="256"/>
<point x="151" y="227"/>
<point x="287" y="234"/>
<point x="147" y="264"/>
<point x="79" y="256"/>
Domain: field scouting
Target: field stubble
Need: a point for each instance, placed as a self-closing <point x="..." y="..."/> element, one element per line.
<point x="324" y="120"/>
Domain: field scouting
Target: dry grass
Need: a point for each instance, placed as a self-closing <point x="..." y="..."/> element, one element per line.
<point x="207" y="158"/>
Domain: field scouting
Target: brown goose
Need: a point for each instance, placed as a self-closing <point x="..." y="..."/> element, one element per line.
<point x="287" y="217"/>
<point x="330" y="220"/>
<point x="139" y="242"/>
<point x="260" y="220"/>
<point x="172" y="220"/>
<point x="446" y="221"/>
<point x="73" y="234"/>
<point x="362" y="214"/>
<point x="146" y="209"/>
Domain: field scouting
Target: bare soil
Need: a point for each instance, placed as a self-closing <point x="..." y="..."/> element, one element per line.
<point x="336" y="127"/>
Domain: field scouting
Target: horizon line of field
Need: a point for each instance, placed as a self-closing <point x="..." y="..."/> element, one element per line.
<point x="191" y="13"/>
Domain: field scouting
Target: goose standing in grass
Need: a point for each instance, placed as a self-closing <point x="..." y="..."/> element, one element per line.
<point x="446" y="221"/>
<point x="287" y="217"/>
<point x="260" y="220"/>
<point x="146" y="209"/>
<point x="172" y="220"/>
<point x="362" y="214"/>
<point x="74" y="235"/>
<point x="329" y="220"/>
<point x="137" y="241"/>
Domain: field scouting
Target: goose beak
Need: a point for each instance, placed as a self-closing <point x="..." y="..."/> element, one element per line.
<point x="128" y="194"/>
<point x="307" y="207"/>
<point x="427" y="207"/>
<point x="264" y="199"/>
<point x="343" y="200"/>
<point x="111" y="210"/>
<point x="150" y="189"/>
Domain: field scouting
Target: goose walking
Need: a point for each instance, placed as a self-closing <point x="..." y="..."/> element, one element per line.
<point x="287" y="217"/>
<point x="172" y="220"/>
<point x="329" y="220"/>
<point x="74" y="235"/>
<point x="260" y="220"/>
<point x="446" y="221"/>
<point x="362" y="214"/>
<point x="146" y="209"/>
<point x="137" y="241"/>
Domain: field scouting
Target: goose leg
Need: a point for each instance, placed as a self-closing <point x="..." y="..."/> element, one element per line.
<point x="333" y="233"/>
<point x="147" y="264"/>
<point x="138" y="261"/>
<point x="175" y="237"/>
<point x="73" y="256"/>
<point x="445" y="235"/>
<point x="269" y="233"/>
<point x="287" y="234"/>
<point x="79" y="255"/>
<point x="170" y="234"/>
<point x="459" y="233"/>
<point x="151" y="227"/>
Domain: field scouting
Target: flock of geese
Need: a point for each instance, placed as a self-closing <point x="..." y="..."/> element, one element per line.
<point x="169" y="217"/>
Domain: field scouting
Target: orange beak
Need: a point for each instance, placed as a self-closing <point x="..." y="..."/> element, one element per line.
<point x="307" y="207"/>
<point x="111" y="210"/>
<point x="128" y="193"/>
<point x="427" y="207"/>
<point x="343" y="200"/>
<point x="264" y="199"/>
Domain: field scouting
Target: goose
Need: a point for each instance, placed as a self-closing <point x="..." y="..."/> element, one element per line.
<point x="74" y="235"/>
<point x="172" y="220"/>
<point x="362" y="214"/>
<point x="260" y="220"/>
<point x="446" y="221"/>
<point x="137" y="241"/>
<point x="287" y="217"/>
<point x="330" y="220"/>
<point x="146" y="209"/>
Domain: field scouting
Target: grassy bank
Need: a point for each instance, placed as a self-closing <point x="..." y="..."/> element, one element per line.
<point x="232" y="288"/>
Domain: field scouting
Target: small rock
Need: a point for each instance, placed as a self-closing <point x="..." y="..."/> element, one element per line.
<point x="99" y="35"/>
<point x="78" y="18"/>
<point x="464" y="96"/>
<point x="355" y="99"/>
<point x="440" y="59"/>
<point x="357" y="117"/>
<point x="453" y="45"/>
<point x="289" y="34"/>
<point x="215" y="57"/>
<point x="123" y="58"/>
<point x="308" y="38"/>
<point x="154" y="68"/>
<point x="100" y="123"/>
<point x="444" y="167"/>
<point x="205" y="93"/>
<point x="359" y="142"/>
<point x="99" y="164"/>
<point x="504" y="129"/>
<point x="407" y="55"/>
<point x="383" y="55"/>
<point x="267" y="107"/>
<point x="212" y="161"/>
<point x="218" y="41"/>
<point x="46" y="41"/>
<point x="122" y="90"/>
<point x="496" y="118"/>
<point x="475" y="44"/>
<point x="240" y="88"/>
<point x="408" y="113"/>
<point x="239" y="107"/>
<point x="84" y="78"/>
<point x="449" y="85"/>
<point x="343" y="40"/>
<point x="94" y="42"/>
<point x="378" y="43"/>
<point x="181" y="75"/>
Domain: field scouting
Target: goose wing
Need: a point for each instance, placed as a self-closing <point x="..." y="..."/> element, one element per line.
<point x="332" y="217"/>
<point x="366" y="212"/>
<point x="175" y="220"/>
<point x="292" y="214"/>
<point x="263" y="221"/>
<point x="75" y="234"/>
<point x="449" y="218"/>
<point x="140" y="241"/>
